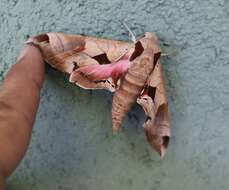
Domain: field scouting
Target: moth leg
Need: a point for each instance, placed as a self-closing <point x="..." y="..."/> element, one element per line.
<point x="168" y="54"/>
<point x="165" y="54"/>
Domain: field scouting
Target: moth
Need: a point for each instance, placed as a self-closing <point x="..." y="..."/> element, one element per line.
<point x="131" y="70"/>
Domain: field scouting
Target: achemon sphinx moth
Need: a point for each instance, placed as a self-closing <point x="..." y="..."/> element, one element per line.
<point x="131" y="70"/>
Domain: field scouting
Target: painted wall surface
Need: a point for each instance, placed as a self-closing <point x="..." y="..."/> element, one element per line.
<point x="72" y="145"/>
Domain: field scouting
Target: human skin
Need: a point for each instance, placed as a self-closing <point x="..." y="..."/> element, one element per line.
<point x="19" y="100"/>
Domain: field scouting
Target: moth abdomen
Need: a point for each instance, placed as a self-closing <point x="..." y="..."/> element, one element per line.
<point x="124" y="98"/>
<point x="130" y="87"/>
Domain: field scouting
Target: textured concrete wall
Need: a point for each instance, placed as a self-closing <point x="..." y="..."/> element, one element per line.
<point x="72" y="145"/>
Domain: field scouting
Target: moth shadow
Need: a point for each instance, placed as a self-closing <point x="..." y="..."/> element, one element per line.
<point x="136" y="139"/>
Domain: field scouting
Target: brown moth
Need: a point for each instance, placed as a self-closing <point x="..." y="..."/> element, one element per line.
<point x="131" y="70"/>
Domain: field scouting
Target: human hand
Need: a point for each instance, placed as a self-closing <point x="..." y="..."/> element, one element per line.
<point x="19" y="100"/>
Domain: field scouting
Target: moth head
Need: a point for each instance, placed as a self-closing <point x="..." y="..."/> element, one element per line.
<point x="150" y="41"/>
<point x="151" y="35"/>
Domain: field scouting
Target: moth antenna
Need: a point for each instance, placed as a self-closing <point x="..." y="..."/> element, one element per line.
<point x="131" y="33"/>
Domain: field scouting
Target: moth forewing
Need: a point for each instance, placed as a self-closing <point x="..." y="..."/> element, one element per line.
<point x="154" y="102"/>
